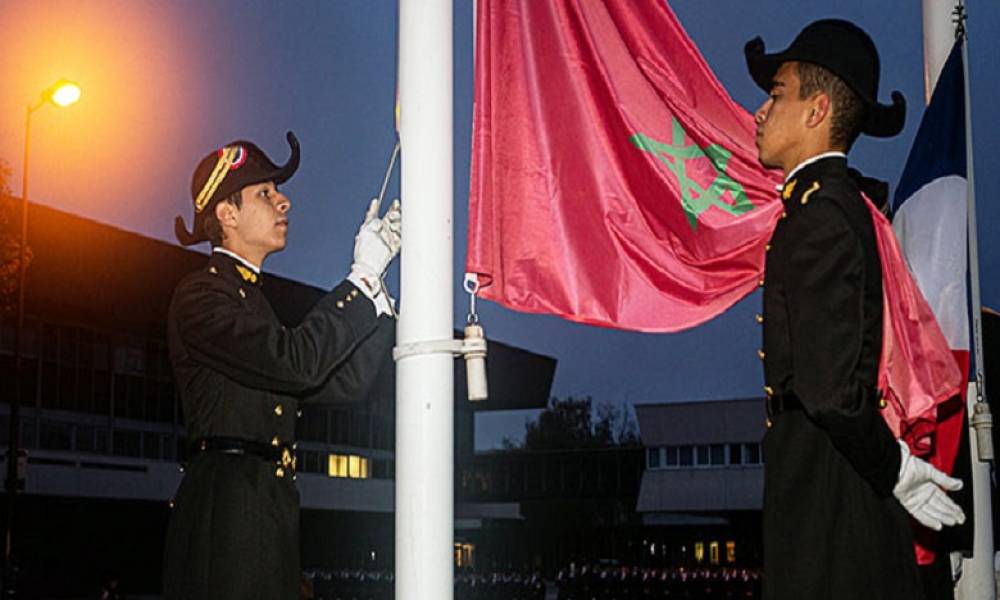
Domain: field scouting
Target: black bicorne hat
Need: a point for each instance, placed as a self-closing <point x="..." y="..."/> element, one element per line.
<point x="848" y="52"/>
<point x="226" y="171"/>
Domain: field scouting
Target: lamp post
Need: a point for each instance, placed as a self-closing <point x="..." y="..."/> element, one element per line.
<point x="62" y="93"/>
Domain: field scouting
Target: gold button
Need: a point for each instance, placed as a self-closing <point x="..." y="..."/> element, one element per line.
<point x="768" y="390"/>
<point x="340" y="304"/>
<point x="278" y="410"/>
<point x="882" y="403"/>
<point x="767" y="248"/>
<point x="213" y="270"/>
<point x="242" y="293"/>
<point x="760" y="318"/>
<point x="769" y="423"/>
<point x="761" y="282"/>
<point x="279" y="472"/>
<point x="171" y="504"/>
<point x="298" y="413"/>
<point x="354" y="293"/>
<point x="275" y="441"/>
<point x="760" y="354"/>
<point x="784" y="214"/>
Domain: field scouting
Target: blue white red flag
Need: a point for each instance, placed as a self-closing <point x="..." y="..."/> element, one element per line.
<point x="931" y="224"/>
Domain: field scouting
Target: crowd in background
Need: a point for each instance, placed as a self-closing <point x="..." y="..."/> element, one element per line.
<point x="617" y="582"/>
<point x="584" y="582"/>
<point x="354" y="584"/>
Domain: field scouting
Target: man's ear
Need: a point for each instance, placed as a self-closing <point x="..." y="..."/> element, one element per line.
<point x="226" y="213"/>
<point x="819" y="109"/>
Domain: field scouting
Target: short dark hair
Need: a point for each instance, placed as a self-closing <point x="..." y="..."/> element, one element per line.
<point x="211" y="226"/>
<point x="848" y="111"/>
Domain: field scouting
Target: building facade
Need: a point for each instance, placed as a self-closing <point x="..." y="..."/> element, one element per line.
<point x="702" y="487"/>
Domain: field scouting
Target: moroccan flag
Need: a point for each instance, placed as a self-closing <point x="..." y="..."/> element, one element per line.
<point x="931" y="223"/>
<point x="615" y="182"/>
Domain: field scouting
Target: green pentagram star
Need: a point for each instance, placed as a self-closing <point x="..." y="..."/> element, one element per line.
<point x="695" y="199"/>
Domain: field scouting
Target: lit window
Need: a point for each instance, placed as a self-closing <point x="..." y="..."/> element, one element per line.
<point x="713" y="553"/>
<point x="730" y="551"/>
<point x="699" y="551"/>
<point x="350" y="466"/>
<point x="464" y="555"/>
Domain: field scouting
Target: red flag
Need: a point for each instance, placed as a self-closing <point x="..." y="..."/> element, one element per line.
<point x="615" y="182"/>
<point x="917" y="369"/>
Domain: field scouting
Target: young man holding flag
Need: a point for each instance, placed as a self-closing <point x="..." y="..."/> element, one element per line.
<point x="241" y="375"/>
<point x="838" y="485"/>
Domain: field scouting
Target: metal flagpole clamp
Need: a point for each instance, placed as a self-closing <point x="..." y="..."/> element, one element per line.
<point x="982" y="422"/>
<point x="472" y="348"/>
<point x="456" y="348"/>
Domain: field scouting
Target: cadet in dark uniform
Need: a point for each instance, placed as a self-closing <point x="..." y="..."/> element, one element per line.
<point x="233" y="532"/>
<point x="838" y="486"/>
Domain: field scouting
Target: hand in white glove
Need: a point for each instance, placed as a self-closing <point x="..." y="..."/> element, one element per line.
<point x="919" y="490"/>
<point x="378" y="240"/>
<point x="392" y="227"/>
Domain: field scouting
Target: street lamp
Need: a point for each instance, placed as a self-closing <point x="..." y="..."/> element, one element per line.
<point x="61" y="93"/>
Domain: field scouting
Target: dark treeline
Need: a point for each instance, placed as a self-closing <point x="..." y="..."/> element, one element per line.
<point x="579" y="423"/>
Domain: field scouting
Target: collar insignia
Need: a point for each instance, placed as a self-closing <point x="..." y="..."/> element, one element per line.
<point x="246" y="274"/>
<point x="809" y="192"/>
<point x="787" y="189"/>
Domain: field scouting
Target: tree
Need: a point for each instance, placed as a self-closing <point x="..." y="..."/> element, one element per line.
<point x="10" y="242"/>
<point x="628" y="431"/>
<point x="563" y="424"/>
<point x="571" y="423"/>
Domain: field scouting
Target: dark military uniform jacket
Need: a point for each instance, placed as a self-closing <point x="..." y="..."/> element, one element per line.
<point x="832" y="528"/>
<point x="233" y="532"/>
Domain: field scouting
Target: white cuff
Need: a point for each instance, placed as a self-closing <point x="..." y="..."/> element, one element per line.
<point x="904" y="457"/>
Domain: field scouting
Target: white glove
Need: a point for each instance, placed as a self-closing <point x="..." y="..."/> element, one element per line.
<point x="392" y="227"/>
<point x="378" y="240"/>
<point x="919" y="490"/>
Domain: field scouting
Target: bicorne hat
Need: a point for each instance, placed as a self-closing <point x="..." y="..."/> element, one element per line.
<point x="848" y="52"/>
<point x="226" y="171"/>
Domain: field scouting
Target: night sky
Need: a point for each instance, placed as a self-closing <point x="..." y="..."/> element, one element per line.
<point x="166" y="82"/>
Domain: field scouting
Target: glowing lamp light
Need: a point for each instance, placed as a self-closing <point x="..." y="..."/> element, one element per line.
<point x="64" y="93"/>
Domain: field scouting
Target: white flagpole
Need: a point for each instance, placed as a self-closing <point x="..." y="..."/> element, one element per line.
<point x="977" y="578"/>
<point x="939" y="37"/>
<point x="424" y="377"/>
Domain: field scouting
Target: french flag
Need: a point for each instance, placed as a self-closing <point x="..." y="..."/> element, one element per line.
<point x="931" y="224"/>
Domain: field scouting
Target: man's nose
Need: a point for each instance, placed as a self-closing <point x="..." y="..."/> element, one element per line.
<point x="761" y="113"/>
<point x="284" y="204"/>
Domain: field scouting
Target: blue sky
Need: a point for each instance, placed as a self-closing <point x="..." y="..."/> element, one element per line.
<point x="164" y="83"/>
